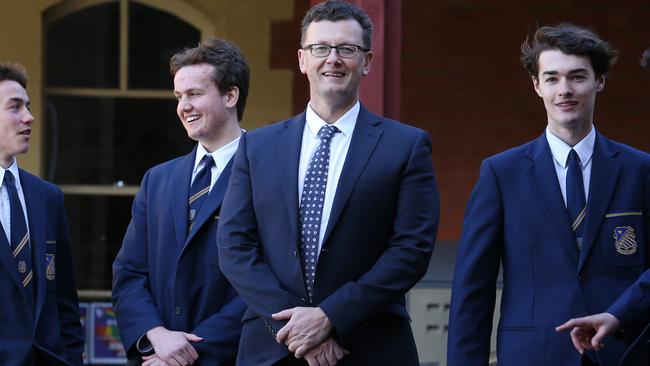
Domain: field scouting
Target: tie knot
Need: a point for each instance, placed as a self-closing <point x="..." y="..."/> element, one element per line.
<point x="9" y="178"/>
<point x="207" y="161"/>
<point x="573" y="156"/>
<point x="326" y="132"/>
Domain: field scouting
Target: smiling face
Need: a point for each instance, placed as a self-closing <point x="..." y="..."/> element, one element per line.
<point x="333" y="80"/>
<point x="202" y="108"/>
<point x="15" y="121"/>
<point x="568" y="86"/>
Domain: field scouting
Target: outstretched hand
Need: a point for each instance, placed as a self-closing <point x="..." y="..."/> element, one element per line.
<point x="588" y="333"/>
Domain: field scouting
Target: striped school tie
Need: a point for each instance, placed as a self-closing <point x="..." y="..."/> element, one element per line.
<point x="20" y="246"/>
<point x="575" y="196"/>
<point x="200" y="189"/>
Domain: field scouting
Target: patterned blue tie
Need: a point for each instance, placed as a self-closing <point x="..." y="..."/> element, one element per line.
<point x="20" y="246"/>
<point x="200" y="189"/>
<point x="575" y="196"/>
<point x="311" y="205"/>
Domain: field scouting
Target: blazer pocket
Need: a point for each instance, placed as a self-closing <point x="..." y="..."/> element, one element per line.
<point x="622" y="238"/>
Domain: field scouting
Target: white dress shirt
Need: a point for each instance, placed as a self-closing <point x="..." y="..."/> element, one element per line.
<point x="5" y="208"/>
<point x="560" y="151"/>
<point x="221" y="158"/>
<point x="338" y="151"/>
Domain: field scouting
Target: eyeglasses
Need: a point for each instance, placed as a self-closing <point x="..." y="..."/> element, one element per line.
<point x="344" y="50"/>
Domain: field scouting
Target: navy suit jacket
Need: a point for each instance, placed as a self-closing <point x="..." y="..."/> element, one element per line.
<point x="53" y="329"/>
<point x="165" y="276"/>
<point x="633" y="311"/>
<point x="516" y="218"/>
<point x="377" y="244"/>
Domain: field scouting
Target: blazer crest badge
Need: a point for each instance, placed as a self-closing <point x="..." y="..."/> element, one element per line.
<point x="50" y="271"/>
<point x="625" y="240"/>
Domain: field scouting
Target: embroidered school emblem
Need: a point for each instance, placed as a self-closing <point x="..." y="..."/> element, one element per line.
<point x="625" y="240"/>
<point x="50" y="271"/>
<point x="22" y="267"/>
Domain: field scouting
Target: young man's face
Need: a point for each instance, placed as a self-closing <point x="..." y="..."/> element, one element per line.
<point x="334" y="77"/>
<point x="568" y="86"/>
<point x="202" y="108"/>
<point x="15" y="121"/>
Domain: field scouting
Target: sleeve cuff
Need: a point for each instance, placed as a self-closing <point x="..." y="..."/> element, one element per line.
<point x="144" y="346"/>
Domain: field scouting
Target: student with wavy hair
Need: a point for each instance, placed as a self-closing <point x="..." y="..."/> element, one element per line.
<point x="624" y="318"/>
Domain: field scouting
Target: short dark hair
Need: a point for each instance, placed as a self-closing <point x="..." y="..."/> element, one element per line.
<point x="335" y="10"/>
<point x="572" y="40"/>
<point x="645" y="59"/>
<point x="13" y="71"/>
<point x="230" y="66"/>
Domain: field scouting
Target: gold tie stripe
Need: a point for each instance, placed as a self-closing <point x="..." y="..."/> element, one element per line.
<point x="21" y="245"/>
<point x="199" y="194"/>
<point x="579" y="219"/>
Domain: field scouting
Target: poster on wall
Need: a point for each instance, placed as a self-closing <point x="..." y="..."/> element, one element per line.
<point x="105" y="342"/>
<point x="83" y="313"/>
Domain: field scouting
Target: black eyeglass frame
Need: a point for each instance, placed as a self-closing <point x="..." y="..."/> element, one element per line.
<point x="358" y="49"/>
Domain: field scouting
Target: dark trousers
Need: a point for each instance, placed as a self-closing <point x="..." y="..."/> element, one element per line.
<point x="586" y="361"/>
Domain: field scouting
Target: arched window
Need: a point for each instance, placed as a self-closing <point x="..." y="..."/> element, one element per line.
<point x="110" y="113"/>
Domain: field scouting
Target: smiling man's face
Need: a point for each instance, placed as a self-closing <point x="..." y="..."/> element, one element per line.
<point x="334" y="79"/>
<point x="568" y="86"/>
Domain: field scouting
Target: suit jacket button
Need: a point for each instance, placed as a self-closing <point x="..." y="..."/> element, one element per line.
<point x="177" y="310"/>
<point x="295" y="253"/>
<point x="24" y="301"/>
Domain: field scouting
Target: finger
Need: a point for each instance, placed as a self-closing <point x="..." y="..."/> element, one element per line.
<point x="311" y="361"/>
<point x="331" y="357"/>
<point x="284" y="314"/>
<point x="147" y="358"/>
<point x="597" y="340"/>
<point x="575" y="339"/>
<point x="293" y="346"/>
<point x="573" y="323"/>
<point x="322" y="360"/>
<point x="191" y="352"/>
<point x="302" y="349"/>
<point x="192" y="337"/>
<point x="282" y="335"/>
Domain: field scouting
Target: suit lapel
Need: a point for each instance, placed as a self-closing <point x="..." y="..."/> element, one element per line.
<point x="364" y="140"/>
<point x="7" y="259"/>
<point x="181" y="185"/>
<point x="605" y="170"/>
<point x="213" y="201"/>
<point x="288" y="145"/>
<point x="36" y="211"/>
<point x="543" y="179"/>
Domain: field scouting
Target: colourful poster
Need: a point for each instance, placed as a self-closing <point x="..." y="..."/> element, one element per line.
<point x="83" y="313"/>
<point x="106" y="344"/>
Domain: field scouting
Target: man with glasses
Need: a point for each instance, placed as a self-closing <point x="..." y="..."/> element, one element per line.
<point x="330" y="216"/>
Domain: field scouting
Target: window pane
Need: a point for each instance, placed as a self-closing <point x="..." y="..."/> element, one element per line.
<point x="96" y="226"/>
<point x="154" y="36"/>
<point x="93" y="140"/>
<point x="82" y="49"/>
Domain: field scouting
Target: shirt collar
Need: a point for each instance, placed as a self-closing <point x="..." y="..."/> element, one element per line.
<point x="345" y="124"/>
<point x="221" y="156"/>
<point x="13" y="168"/>
<point x="560" y="149"/>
